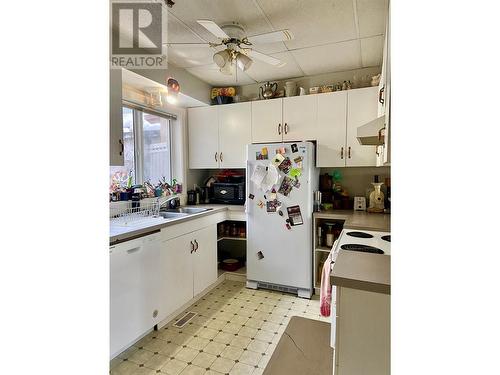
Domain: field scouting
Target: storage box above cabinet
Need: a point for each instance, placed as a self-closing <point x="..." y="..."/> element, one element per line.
<point x="218" y="136"/>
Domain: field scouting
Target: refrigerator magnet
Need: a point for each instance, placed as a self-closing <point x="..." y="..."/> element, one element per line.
<point x="285" y="165"/>
<point x="294" y="148"/>
<point x="281" y="151"/>
<point x="295" y="172"/>
<point x="251" y="196"/>
<point x="271" y="206"/>
<point x="260" y="204"/>
<point x="294" y="215"/>
<point x="286" y="186"/>
<point x="288" y="226"/>
<point x="260" y="255"/>
<point x="278" y="159"/>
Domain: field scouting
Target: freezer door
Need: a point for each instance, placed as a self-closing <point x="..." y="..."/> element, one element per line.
<point x="287" y="252"/>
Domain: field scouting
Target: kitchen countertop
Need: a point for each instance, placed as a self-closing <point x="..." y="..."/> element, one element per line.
<point x="358" y="220"/>
<point x="123" y="233"/>
<point x="363" y="271"/>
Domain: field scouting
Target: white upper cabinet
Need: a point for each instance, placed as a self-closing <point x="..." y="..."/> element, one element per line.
<point x="203" y="136"/>
<point x="361" y="109"/>
<point x="300" y="118"/>
<point x="267" y="121"/>
<point x="115" y="118"/>
<point x="331" y="130"/>
<point x="235" y="132"/>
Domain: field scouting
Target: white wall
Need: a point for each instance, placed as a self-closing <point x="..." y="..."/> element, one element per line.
<point x="250" y="91"/>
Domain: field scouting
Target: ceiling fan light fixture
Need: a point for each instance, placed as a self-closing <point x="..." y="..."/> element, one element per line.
<point x="221" y="58"/>
<point x="243" y="61"/>
<point x="226" y="69"/>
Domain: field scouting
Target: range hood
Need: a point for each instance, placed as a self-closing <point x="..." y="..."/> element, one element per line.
<point x="372" y="133"/>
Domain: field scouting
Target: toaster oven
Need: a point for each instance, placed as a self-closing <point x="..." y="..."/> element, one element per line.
<point x="228" y="193"/>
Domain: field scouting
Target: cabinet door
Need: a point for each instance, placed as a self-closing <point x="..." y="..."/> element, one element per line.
<point x="267" y="124"/>
<point x="132" y="293"/>
<point x="176" y="265"/>
<point x="361" y="108"/>
<point x="331" y="129"/>
<point x="115" y="118"/>
<point x="203" y="137"/>
<point x="235" y="132"/>
<point x="205" y="258"/>
<point x="299" y="118"/>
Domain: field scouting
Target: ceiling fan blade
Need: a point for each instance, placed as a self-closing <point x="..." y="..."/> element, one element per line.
<point x="272" y="37"/>
<point x="265" y="58"/>
<point x="213" y="28"/>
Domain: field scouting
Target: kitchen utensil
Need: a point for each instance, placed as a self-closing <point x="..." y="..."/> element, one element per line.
<point x="302" y="91"/>
<point x="314" y="90"/>
<point x="376" y="197"/>
<point x="268" y="90"/>
<point x="290" y="88"/>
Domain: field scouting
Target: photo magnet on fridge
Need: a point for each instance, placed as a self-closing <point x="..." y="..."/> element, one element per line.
<point x="286" y="186"/>
<point x="294" y="148"/>
<point x="294" y="215"/>
<point x="281" y="150"/>
<point x="278" y="159"/>
<point x="285" y="165"/>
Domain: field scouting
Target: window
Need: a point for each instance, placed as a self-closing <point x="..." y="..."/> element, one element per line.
<point x="146" y="139"/>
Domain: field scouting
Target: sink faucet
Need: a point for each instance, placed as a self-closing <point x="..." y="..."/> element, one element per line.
<point x="163" y="200"/>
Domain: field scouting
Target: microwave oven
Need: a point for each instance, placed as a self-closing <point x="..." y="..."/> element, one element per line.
<point x="228" y="193"/>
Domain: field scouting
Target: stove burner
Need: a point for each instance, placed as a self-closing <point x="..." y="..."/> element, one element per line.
<point x="359" y="234"/>
<point x="387" y="238"/>
<point x="361" y="248"/>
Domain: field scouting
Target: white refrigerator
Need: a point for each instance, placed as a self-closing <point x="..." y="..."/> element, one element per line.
<point x="279" y="223"/>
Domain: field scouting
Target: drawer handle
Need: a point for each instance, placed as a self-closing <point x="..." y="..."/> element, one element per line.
<point x="216" y="156"/>
<point x="122" y="146"/>
<point x="192" y="246"/>
<point x="342" y="152"/>
<point x="349" y="152"/>
<point x="286" y="128"/>
<point x="134" y="250"/>
<point x="279" y="129"/>
<point x="196" y="248"/>
<point x="220" y="157"/>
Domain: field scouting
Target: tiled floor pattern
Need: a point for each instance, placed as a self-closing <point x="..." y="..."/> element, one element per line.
<point x="235" y="332"/>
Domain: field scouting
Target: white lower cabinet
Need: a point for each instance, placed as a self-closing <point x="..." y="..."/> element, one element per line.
<point x="134" y="298"/>
<point x="204" y="258"/>
<point x="150" y="279"/>
<point x="188" y="266"/>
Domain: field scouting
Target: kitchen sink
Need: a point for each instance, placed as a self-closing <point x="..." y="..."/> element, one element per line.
<point x="187" y="210"/>
<point x="172" y="215"/>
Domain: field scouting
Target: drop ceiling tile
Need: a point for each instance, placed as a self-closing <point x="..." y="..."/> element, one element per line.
<point x="212" y="75"/>
<point x="179" y="33"/>
<point x="372" y="50"/>
<point x="221" y="12"/>
<point x="312" y="22"/>
<point x="329" y="58"/>
<point x="186" y="57"/>
<point x="261" y="71"/>
<point x="371" y="17"/>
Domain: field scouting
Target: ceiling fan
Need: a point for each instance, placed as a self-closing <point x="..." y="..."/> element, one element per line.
<point x="238" y="46"/>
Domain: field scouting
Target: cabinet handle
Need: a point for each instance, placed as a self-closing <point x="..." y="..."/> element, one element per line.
<point x="286" y="128"/>
<point x="220" y="157"/>
<point x="380" y="93"/>
<point x="122" y="146"/>
<point x="349" y="152"/>
<point x="279" y="129"/>
<point x="215" y="156"/>
<point x="192" y="246"/>
<point x="342" y="152"/>
<point x="196" y="243"/>
<point x="134" y="250"/>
